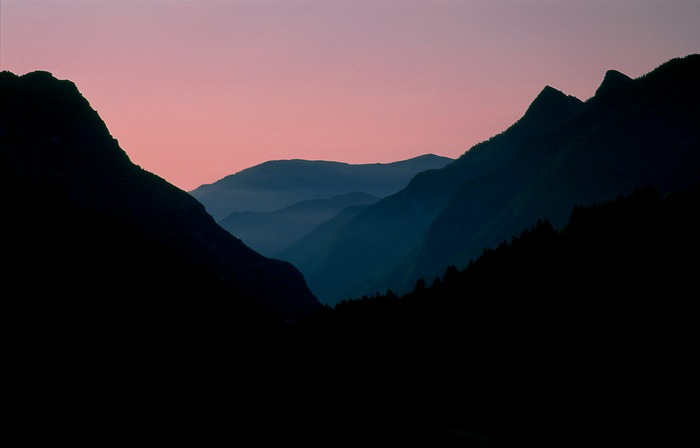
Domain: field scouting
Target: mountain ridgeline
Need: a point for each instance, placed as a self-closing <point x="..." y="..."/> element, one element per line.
<point x="278" y="184"/>
<point x="79" y="210"/>
<point x="562" y="153"/>
<point x="273" y="205"/>
<point x="123" y="303"/>
<point x="129" y="315"/>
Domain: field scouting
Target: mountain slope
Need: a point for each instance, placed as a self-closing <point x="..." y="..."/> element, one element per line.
<point x="574" y="337"/>
<point x="631" y="133"/>
<point x="561" y="153"/>
<point x="270" y="233"/>
<point x="371" y="246"/>
<point x="277" y="184"/>
<point x="56" y="149"/>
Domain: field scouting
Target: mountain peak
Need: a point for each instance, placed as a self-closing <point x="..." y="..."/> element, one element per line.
<point x="550" y="101"/>
<point x="67" y="135"/>
<point x="612" y="80"/>
<point x="54" y="148"/>
<point x="548" y="93"/>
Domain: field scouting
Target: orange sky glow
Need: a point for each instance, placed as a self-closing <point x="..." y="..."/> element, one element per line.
<point x="196" y="90"/>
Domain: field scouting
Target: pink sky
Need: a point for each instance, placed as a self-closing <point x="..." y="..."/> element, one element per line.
<point x="196" y="90"/>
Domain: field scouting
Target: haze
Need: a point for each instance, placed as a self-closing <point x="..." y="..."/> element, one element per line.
<point x="196" y="90"/>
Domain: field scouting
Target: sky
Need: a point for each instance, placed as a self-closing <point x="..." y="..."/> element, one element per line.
<point x="195" y="90"/>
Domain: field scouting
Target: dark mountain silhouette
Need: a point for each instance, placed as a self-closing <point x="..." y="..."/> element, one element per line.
<point x="124" y="306"/>
<point x="574" y="337"/>
<point x="578" y="336"/>
<point x="382" y="237"/>
<point x="561" y="153"/>
<point x="277" y="184"/>
<point x="612" y="80"/>
<point x="632" y="133"/>
<point x="60" y="164"/>
<point x="270" y="233"/>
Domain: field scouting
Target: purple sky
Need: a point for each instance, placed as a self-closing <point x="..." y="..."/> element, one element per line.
<point x="195" y="90"/>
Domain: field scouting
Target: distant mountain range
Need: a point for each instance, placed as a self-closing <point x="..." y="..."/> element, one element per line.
<point x="563" y="152"/>
<point x="272" y="205"/>
<point x="277" y="184"/>
<point x="80" y="211"/>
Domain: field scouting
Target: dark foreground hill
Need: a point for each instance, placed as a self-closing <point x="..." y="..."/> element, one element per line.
<point x="121" y="297"/>
<point x="563" y="152"/>
<point x="557" y="338"/>
<point x="78" y="210"/>
<point x="579" y="337"/>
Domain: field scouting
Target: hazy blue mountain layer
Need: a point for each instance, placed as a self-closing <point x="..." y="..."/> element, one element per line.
<point x="278" y="184"/>
<point x="270" y="233"/>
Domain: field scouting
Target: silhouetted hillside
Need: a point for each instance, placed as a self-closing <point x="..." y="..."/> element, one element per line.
<point x="124" y="304"/>
<point x="278" y="184"/>
<point x="561" y="153"/>
<point x="382" y="238"/>
<point x="612" y="80"/>
<point x="56" y="148"/>
<point x="632" y="133"/>
<point x="578" y="337"/>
